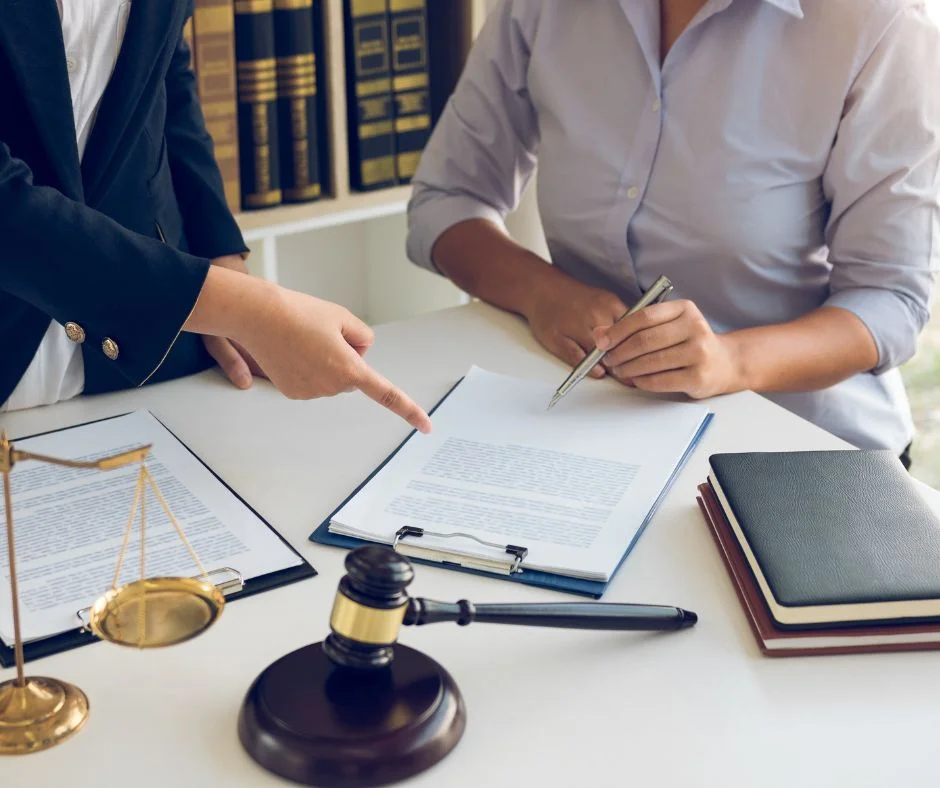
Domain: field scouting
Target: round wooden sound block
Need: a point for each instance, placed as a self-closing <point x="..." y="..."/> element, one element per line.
<point x="313" y="722"/>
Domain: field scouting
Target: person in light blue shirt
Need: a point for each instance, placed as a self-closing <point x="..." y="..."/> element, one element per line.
<point x="778" y="160"/>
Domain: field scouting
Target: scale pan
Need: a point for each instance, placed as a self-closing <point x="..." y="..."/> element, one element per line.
<point x="175" y="609"/>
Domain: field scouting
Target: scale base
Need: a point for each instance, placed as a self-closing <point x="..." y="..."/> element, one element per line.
<point x="315" y="723"/>
<point x="39" y="715"/>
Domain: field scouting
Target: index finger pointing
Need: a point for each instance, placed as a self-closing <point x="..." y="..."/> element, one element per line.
<point x="376" y="387"/>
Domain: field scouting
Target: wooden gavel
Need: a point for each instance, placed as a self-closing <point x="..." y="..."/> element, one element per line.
<point x="371" y="606"/>
<point x="357" y="709"/>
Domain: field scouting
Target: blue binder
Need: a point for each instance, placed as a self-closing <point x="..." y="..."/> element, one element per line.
<point x="532" y="577"/>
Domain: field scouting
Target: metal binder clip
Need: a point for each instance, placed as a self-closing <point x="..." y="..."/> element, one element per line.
<point x="507" y="566"/>
<point x="234" y="582"/>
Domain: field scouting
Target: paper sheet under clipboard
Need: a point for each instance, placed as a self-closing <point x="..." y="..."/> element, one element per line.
<point x="573" y="486"/>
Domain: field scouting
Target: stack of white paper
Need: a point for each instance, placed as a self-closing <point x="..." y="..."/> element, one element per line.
<point x="574" y="485"/>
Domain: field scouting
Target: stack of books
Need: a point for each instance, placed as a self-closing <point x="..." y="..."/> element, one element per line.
<point x="261" y="76"/>
<point x="829" y="551"/>
<point x="388" y="99"/>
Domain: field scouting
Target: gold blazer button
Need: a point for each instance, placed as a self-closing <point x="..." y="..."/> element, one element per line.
<point x="74" y="332"/>
<point x="110" y="348"/>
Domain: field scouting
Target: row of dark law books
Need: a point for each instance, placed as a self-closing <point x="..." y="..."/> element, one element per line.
<point x="261" y="76"/>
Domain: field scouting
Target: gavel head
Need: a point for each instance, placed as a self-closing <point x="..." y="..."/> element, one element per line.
<point x="369" y="608"/>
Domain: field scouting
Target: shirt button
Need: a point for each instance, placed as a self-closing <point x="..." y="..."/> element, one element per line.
<point x="632" y="192"/>
<point x="110" y="348"/>
<point x="657" y="105"/>
<point x="74" y="332"/>
<point x="70" y="64"/>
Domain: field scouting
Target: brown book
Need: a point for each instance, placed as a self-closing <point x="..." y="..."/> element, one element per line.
<point x="214" y="58"/>
<point x="188" y="38"/>
<point x="776" y="642"/>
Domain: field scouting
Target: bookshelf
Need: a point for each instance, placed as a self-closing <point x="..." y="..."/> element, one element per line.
<point x="342" y="205"/>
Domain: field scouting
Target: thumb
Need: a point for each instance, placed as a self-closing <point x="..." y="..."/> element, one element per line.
<point x="230" y="360"/>
<point x="357" y="333"/>
<point x="253" y="366"/>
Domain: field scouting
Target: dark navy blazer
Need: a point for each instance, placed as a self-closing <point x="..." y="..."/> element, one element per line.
<point x="119" y="244"/>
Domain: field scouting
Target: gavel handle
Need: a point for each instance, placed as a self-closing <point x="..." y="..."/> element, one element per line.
<point x="568" y="615"/>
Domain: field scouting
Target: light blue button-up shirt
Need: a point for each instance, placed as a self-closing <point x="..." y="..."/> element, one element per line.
<point x="785" y="156"/>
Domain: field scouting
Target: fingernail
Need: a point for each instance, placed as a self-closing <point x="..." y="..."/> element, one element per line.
<point x="243" y="380"/>
<point x="603" y="342"/>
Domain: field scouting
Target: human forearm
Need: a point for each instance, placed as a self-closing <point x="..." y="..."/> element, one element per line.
<point x="813" y="352"/>
<point x="561" y="311"/>
<point x="671" y="347"/>
<point x="486" y="263"/>
<point x="231" y="304"/>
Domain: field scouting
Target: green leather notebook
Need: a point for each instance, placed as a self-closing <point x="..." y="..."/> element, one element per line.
<point x="833" y="537"/>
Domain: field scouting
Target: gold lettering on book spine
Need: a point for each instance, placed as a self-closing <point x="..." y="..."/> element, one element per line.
<point x="373" y="87"/>
<point x="292" y="5"/>
<point x="411" y="81"/>
<point x="257" y="81"/>
<point x="254" y="6"/>
<point x="378" y="170"/>
<point x="263" y="194"/>
<point x="408" y="163"/>
<point x="415" y="123"/>
<point x="368" y="7"/>
<point x="300" y="146"/>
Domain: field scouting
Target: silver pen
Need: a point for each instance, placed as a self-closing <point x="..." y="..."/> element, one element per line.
<point x="659" y="290"/>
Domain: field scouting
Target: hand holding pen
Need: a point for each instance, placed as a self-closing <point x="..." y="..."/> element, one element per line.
<point x="669" y="347"/>
<point x="659" y="290"/>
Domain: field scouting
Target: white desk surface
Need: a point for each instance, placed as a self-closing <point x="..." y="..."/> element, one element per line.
<point x="549" y="707"/>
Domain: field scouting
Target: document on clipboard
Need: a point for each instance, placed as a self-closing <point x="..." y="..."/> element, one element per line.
<point x="69" y="526"/>
<point x="502" y="486"/>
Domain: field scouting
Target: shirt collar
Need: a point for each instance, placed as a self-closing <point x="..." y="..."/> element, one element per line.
<point x="791" y="7"/>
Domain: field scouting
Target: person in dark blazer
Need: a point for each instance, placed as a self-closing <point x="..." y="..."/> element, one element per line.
<point x="120" y="262"/>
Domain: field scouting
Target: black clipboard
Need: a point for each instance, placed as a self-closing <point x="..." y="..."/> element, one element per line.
<point x="66" y="641"/>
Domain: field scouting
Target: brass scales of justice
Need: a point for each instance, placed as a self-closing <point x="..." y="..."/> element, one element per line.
<point x="37" y="712"/>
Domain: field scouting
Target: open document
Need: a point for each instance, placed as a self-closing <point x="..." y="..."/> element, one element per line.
<point x="69" y="524"/>
<point x="574" y="486"/>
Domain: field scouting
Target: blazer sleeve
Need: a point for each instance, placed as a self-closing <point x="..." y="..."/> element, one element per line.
<point x="76" y="264"/>
<point x="211" y="230"/>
